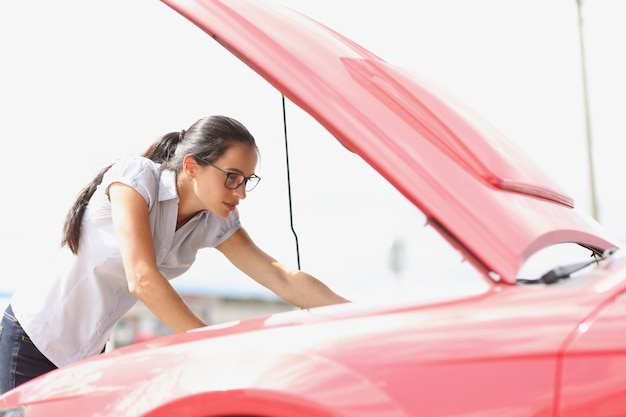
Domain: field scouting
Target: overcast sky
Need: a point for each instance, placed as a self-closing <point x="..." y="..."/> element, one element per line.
<point x="84" y="82"/>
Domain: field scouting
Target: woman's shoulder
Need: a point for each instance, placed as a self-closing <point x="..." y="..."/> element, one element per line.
<point x="140" y="162"/>
<point x="136" y="171"/>
<point x="136" y="167"/>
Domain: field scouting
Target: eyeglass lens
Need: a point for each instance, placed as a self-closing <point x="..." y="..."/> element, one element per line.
<point x="235" y="180"/>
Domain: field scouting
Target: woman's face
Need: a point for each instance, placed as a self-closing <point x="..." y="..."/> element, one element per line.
<point x="210" y="186"/>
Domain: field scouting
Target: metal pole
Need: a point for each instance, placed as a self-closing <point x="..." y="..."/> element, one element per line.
<point x="590" y="163"/>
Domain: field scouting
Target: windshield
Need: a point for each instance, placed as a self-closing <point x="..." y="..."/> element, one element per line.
<point x="559" y="264"/>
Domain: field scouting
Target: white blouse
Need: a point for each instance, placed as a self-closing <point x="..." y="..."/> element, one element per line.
<point x="72" y="315"/>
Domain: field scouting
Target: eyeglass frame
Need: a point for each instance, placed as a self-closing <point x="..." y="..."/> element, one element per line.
<point x="228" y="175"/>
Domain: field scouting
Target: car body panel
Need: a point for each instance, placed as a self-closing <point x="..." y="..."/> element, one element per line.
<point x="593" y="379"/>
<point x="461" y="173"/>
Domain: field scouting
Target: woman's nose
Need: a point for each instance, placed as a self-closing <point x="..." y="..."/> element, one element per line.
<point x="240" y="191"/>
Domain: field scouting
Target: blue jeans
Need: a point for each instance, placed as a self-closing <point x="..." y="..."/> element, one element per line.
<point x="20" y="360"/>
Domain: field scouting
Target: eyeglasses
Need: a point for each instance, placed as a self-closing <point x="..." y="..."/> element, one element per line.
<point x="234" y="180"/>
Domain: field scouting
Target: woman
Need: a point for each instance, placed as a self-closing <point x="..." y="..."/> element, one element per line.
<point x="139" y="224"/>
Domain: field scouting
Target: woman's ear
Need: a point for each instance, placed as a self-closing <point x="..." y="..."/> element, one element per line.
<point x="190" y="164"/>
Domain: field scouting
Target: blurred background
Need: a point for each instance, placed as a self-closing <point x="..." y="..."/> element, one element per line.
<point x="83" y="83"/>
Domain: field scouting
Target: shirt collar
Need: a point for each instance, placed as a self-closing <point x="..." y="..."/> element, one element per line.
<point x="167" y="185"/>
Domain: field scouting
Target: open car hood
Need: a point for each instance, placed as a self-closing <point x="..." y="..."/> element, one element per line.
<point x="483" y="195"/>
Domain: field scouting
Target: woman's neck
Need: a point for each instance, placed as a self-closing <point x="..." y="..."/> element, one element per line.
<point x="186" y="207"/>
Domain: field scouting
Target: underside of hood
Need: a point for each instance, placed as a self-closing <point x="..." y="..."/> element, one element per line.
<point x="477" y="188"/>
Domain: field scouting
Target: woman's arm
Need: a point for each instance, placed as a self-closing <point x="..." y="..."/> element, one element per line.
<point x="295" y="287"/>
<point x="145" y="281"/>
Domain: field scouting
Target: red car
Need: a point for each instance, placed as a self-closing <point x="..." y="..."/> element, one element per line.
<point x="547" y="345"/>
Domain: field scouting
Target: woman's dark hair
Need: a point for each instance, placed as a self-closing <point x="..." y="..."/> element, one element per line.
<point x="208" y="138"/>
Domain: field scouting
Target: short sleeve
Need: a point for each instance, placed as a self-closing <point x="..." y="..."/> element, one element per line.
<point x="139" y="173"/>
<point x="221" y="228"/>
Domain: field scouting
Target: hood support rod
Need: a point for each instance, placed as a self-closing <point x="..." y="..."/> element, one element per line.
<point x="293" y="230"/>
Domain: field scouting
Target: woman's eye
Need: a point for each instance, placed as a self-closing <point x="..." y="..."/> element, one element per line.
<point x="235" y="179"/>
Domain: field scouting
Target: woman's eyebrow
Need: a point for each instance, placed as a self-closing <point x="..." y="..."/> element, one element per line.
<point x="238" y="171"/>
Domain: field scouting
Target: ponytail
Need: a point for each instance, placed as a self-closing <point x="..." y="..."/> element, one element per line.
<point x="74" y="217"/>
<point x="164" y="148"/>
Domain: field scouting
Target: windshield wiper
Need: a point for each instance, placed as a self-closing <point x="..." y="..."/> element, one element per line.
<point x="565" y="271"/>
